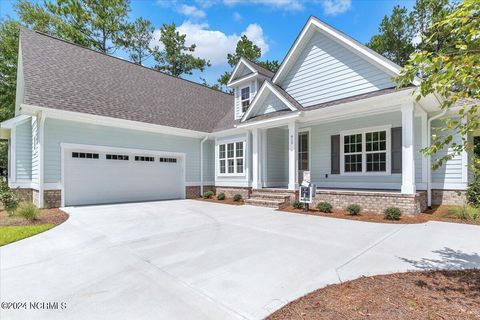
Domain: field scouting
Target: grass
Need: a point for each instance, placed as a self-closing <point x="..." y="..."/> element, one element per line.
<point x="9" y="234"/>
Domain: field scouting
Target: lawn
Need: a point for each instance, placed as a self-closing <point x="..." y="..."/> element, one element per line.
<point x="9" y="234"/>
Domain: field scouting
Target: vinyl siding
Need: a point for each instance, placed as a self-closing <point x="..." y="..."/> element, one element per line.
<point x="23" y="151"/>
<point x="271" y="103"/>
<point x="418" y="146"/>
<point x="277" y="157"/>
<point x="451" y="171"/>
<point x="60" y="131"/>
<point x="238" y="104"/>
<point x="209" y="161"/>
<point x="35" y="151"/>
<point x="233" y="181"/>
<point x="326" y="71"/>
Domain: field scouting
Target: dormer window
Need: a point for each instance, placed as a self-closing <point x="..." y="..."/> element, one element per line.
<point x="245" y="98"/>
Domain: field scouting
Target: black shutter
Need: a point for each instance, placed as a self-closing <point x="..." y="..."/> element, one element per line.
<point x="335" y="154"/>
<point x="397" y="150"/>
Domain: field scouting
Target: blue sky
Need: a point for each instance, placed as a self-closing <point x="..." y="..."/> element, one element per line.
<point x="215" y="25"/>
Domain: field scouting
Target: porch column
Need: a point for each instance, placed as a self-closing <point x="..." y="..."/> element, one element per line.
<point x="256" y="157"/>
<point x="408" y="154"/>
<point x="292" y="156"/>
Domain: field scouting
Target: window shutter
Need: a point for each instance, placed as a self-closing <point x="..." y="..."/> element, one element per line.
<point x="335" y="154"/>
<point x="397" y="150"/>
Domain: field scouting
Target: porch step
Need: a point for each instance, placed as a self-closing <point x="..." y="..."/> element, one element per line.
<point x="265" y="203"/>
<point x="269" y="196"/>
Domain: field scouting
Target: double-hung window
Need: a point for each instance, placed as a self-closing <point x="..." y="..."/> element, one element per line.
<point x="231" y="158"/>
<point x="245" y="98"/>
<point x="366" y="152"/>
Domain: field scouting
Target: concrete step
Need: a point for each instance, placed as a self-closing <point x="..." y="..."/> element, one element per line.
<point x="265" y="203"/>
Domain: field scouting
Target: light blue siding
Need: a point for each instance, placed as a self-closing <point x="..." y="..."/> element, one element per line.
<point x="23" y="154"/>
<point x="326" y="71"/>
<point x="450" y="172"/>
<point x="418" y="146"/>
<point x="271" y="103"/>
<point x="277" y="157"/>
<point x="209" y="161"/>
<point x="234" y="181"/>
<point x="58" y="131"/>
<point x="254" y="86"/>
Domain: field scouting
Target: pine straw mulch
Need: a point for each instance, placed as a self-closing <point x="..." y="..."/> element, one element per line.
<point x="437" y="213"/>
<point x="224" y="201"/>
<point x="47" y="216"/>
<point x="428" y="295"/>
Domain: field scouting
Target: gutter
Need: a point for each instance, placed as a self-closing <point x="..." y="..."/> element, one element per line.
<point x="201" y="164"/>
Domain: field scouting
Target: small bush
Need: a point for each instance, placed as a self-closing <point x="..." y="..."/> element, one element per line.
<point x="237" y="197"/>
<point x="465" y="213"/>
<point x="354" y="209"/>
<point x="297" y="204"/>
<point x="392" y="213"/>
<point x="221" y="196"/>
<point x="324" y="207"/>
<point x="29" y="211"/>
<point x="8" y="198"/>
<point x="208" y="195"/>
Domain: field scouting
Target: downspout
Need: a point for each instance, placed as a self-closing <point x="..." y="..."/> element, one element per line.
<point x="429" y="159"/>
<point x="41" y="163"/>
<point x="201" y="164"/>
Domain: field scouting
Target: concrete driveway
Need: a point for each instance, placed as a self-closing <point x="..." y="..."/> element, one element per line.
<point x="197" y="260"/>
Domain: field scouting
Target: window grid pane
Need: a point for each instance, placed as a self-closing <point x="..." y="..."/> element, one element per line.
<point x="221" y="154"/>
<point x="239" y="149"/>
<point x="231" y="166"/>
<point x="230" y="151"/>
<point x="239" y="165"/>
<point x="353" y="163"/>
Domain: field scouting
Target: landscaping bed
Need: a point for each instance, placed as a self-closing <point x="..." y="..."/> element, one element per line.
<point x="437" y="213"/>
<point x="412" y="295"/>
<point x="224" y="201"/>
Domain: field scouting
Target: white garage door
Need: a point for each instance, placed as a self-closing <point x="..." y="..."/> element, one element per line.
<point x="94" y="177"/>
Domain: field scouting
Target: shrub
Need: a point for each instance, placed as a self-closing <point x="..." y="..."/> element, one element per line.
<point x="324" y="207"/>
<point x="354" y="209"/>
<point x="237" y="197"/>
<point x="473" y="189"/>
<point x="297" y="204"/>
<point x="392" y="213"/>
<point x="29" y="211"/>
<point x="208" y="195"/>
<point x="465" y="212"/>
<point x="221" y="196"/>
<point x="8" y="198"/>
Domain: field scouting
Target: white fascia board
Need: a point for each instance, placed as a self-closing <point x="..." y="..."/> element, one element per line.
<point x="355" y="46"/>
<point x="272" y="122"/>
<point x="266" y="85"/>
<point x="111" y="122"/>
<point x="237" y="67"/>
<point x="243" y="79"/>
<point x="8" y="124"/>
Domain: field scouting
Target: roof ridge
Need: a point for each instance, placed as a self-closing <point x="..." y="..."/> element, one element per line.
<point x="121" y="59"/>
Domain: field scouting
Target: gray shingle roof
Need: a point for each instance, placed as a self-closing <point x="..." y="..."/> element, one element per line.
<point x="61" y="75"/>
<point x="261" y="70"/>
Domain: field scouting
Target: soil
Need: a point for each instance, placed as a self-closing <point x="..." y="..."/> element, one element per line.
<point x="47" y="216"/>
<point x="437" y="213"/>
<point x="224" y="201"/>
<point x="413" y="295"/>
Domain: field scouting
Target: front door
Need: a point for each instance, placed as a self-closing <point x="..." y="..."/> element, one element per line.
<point x="303" y="154"/>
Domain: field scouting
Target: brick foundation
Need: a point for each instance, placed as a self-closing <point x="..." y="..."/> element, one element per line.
<point x="193" y="192"/>
<point x="374" y="201"/>
<point x="231" y="191"/>
<point x="52" y="198"/>
<point x="451" y="197"/>
<point x="24" y="194"/>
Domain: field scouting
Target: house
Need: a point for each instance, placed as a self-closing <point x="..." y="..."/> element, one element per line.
<point x="91" y="129"/>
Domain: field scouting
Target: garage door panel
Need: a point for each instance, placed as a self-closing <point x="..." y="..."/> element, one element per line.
<point x="96" y="181"/>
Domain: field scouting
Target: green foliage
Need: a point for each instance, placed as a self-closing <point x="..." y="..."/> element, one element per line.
<point x="136" y="39"/>
<point x="176" y="58"/>
<point x="473" y="189"/>
<point x="465" y="213"/>
<point x="208" y="194"/>
<point x="324" y="207"/>
<point x="354" y="209"/>
<point x="14" y="233"/>
<point x="221" y="196"/>
<point x="271" y="65"/>
<point x="392" y="213"/>
<point x="297" y="204"/>
<point x="29" y="211"/>
<point x="8" y="69"/>
<point x="8" y="198"/>
<point x="237" y="197"/>
<point x="450" y="72"/>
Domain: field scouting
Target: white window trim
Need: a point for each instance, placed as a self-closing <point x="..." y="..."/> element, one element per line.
<point x="363" y="131"/>
<point x="249" y="98"/>
<point x="217" y="158"/>
<point x="309" y="135"/>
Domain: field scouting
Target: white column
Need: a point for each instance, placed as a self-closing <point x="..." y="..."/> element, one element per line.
<point x="408" y="153"/>
<point x="292" y="156"/>
<point x="256" y="166"/>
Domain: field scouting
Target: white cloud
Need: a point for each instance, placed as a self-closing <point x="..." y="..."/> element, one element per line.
<point x="214" y="45"/>
<point x="291" y="5"/>
<point x="335" y="7"/>
<point x="237" y="17"/>
<point x="191" y="11"/>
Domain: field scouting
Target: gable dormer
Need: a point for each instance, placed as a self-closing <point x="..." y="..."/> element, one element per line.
<point x="245" y="81"/>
